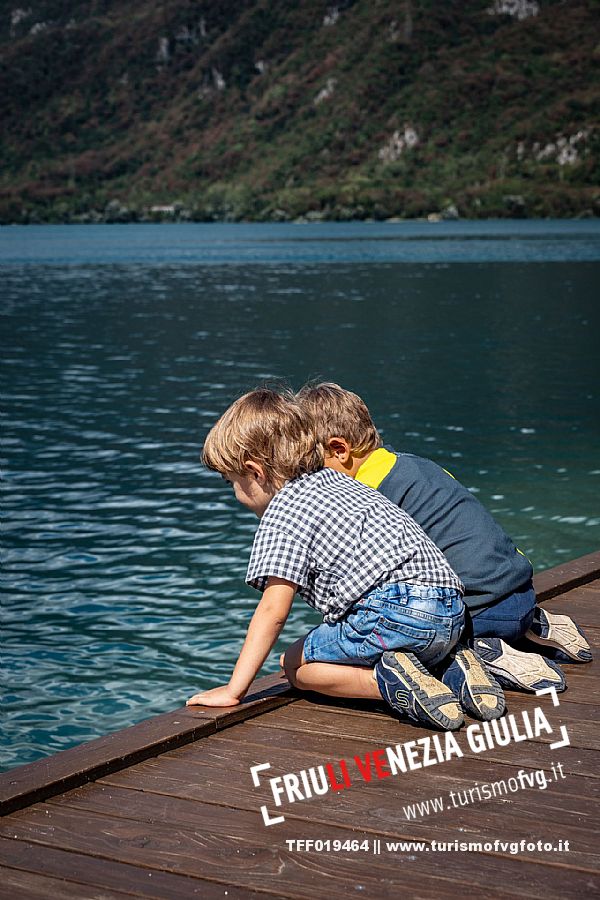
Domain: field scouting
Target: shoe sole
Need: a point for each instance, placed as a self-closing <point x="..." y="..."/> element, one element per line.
<point x="485" y="698"/>
<point x="425" y="690"/>
<point x="521" y="671"/>
<point x="564" y="635"/>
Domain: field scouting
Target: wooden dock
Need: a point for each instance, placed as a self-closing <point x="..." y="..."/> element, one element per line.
<point x="168" y="808"/>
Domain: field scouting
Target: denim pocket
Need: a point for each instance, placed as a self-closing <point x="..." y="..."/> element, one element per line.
<point x="363" y="620"/>
<point x="357" y="628"/>
<point x="390" y="635"/>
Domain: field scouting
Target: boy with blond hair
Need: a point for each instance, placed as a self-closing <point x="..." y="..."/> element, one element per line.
<point x="499" y="596"/>
<point x="390" y="602"/>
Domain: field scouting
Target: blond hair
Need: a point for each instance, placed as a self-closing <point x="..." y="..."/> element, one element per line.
<point x="336" y="412"/>
<point x="267" y="427"/>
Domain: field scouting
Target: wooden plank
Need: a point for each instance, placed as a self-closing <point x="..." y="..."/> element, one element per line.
<point x="230" y="787"/>
<point x="90" y="872"/>
<point x="253" y="745"/>
<point x="319" y="719"/>
<point x="262" y="857"/>
<point x="583" y="686"/>
<point x="575" y="761"/>
<point x="47" y="777"/>
<point x="27" y="886"/>
<point x="582" y="603"/>
<point x="378" y="805"/>
<point x="569" y="575"/>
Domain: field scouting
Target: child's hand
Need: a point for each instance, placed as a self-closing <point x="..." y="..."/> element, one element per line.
<point x="219" y="696"/>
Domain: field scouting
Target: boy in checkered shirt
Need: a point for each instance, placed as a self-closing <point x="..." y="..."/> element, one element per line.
<point x="390" y="602"/>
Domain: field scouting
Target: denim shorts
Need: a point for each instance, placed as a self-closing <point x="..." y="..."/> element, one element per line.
<point x="426" y="621"/>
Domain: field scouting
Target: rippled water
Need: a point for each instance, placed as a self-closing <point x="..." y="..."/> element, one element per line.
<point x="474" y="344"/>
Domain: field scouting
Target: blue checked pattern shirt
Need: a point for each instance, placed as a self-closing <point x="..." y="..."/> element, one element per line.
<point x="336" y="538"/>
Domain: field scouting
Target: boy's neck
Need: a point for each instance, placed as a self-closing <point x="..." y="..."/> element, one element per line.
<point x="349" y="466"/>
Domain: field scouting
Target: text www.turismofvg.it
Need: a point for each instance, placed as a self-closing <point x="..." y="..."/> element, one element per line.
<point x="477" y="793"/>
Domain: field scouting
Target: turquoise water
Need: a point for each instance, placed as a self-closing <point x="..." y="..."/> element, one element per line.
<point x="123" y="561"/>
<point x="353" y="242"/>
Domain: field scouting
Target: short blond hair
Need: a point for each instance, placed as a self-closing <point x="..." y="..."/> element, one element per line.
<point x="267" y="427"/>
<point x="336" y="412"/>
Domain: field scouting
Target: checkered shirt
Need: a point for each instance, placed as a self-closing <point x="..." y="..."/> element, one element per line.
<point x="336" y="538"/>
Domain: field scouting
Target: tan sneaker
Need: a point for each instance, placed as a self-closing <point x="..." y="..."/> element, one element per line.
<point x="516" y="670"/>
<point x="561" y="634"/>
<point x="477" y="690"/>
<point x="414" y="693"/>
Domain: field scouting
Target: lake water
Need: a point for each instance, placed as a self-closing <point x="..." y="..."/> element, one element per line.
<point x="475" y="344"/>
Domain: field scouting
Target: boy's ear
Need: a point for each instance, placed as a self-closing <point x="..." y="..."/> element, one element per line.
<point x="339" y="448"/>
<point x="255" y="470"/>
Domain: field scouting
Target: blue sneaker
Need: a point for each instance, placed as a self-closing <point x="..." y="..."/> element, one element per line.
<point x="414" y="693"/>
<point x="478" y="692"/>
<point x="516" y="670"/>
<point x="560" y="636"/>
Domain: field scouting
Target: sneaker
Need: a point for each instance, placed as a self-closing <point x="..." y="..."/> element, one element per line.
<point x="477" y="690"/>
<point x="414" y="693"/>
<point x="561" y="634"/>
<point x="516" y="670"/>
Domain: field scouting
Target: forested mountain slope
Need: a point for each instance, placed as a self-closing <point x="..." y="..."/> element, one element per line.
<point x="268" y="109"/>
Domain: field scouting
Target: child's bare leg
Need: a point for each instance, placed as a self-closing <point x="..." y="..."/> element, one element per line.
<point x="337" y="680"/>
<point x="332" y="679"/>
<point x="433" y="703"/>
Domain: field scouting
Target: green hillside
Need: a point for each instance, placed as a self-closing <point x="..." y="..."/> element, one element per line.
<point x="268" y="109"/>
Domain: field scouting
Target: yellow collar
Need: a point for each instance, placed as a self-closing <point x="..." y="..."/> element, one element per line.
<point x="376" y="467"/>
